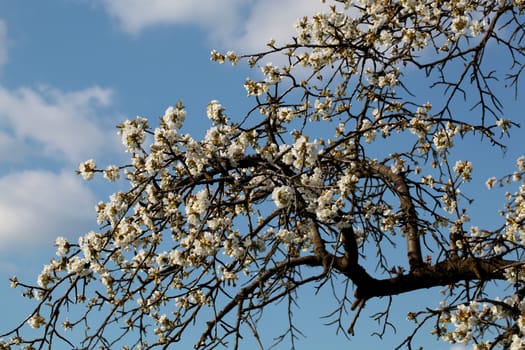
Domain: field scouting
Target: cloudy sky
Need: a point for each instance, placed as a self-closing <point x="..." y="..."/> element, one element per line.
<point x="70" y="70"/>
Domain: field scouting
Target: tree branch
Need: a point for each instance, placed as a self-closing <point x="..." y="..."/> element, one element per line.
<point x="415" y="259"/>
<point x="310" y="260"/>
<point x="444" y="273"/>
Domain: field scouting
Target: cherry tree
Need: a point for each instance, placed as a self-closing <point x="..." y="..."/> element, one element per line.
<point x="346" y="168"/>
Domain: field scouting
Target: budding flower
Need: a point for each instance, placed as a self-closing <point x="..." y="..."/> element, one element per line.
<point x="217" y="56"/>
<point x="491" y="182"/>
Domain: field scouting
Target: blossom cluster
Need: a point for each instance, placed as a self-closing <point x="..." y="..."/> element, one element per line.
<point x="469" y="319"/>
<point x="256" y="194"/>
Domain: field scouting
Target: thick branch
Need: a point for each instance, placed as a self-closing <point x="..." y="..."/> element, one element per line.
<point x="442" y="274"/>
<point x="415" y="259"/>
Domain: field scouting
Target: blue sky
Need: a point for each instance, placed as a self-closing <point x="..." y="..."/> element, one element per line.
<point x="70" y="70"/>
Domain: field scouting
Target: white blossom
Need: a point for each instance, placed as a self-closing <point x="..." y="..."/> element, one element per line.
<point x="87" y="169"/>
<point x="112" y="173"/>
<point x="283" y="196"/>
<point x="36" y="321"/>
<point x="174" y="117"/>
<point x="62" y="246"/>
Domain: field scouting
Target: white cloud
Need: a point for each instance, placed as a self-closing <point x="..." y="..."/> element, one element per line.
<point x="136" y="15"/>
<point x="39" y="125"/>
<point x="242" y="25"/>
<point x="36" y="206"/>
<point x="272" y="19"/>
<point x="12" y="151"/>
<point x="59" y="125"/>
<point x="3" y="42"/>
